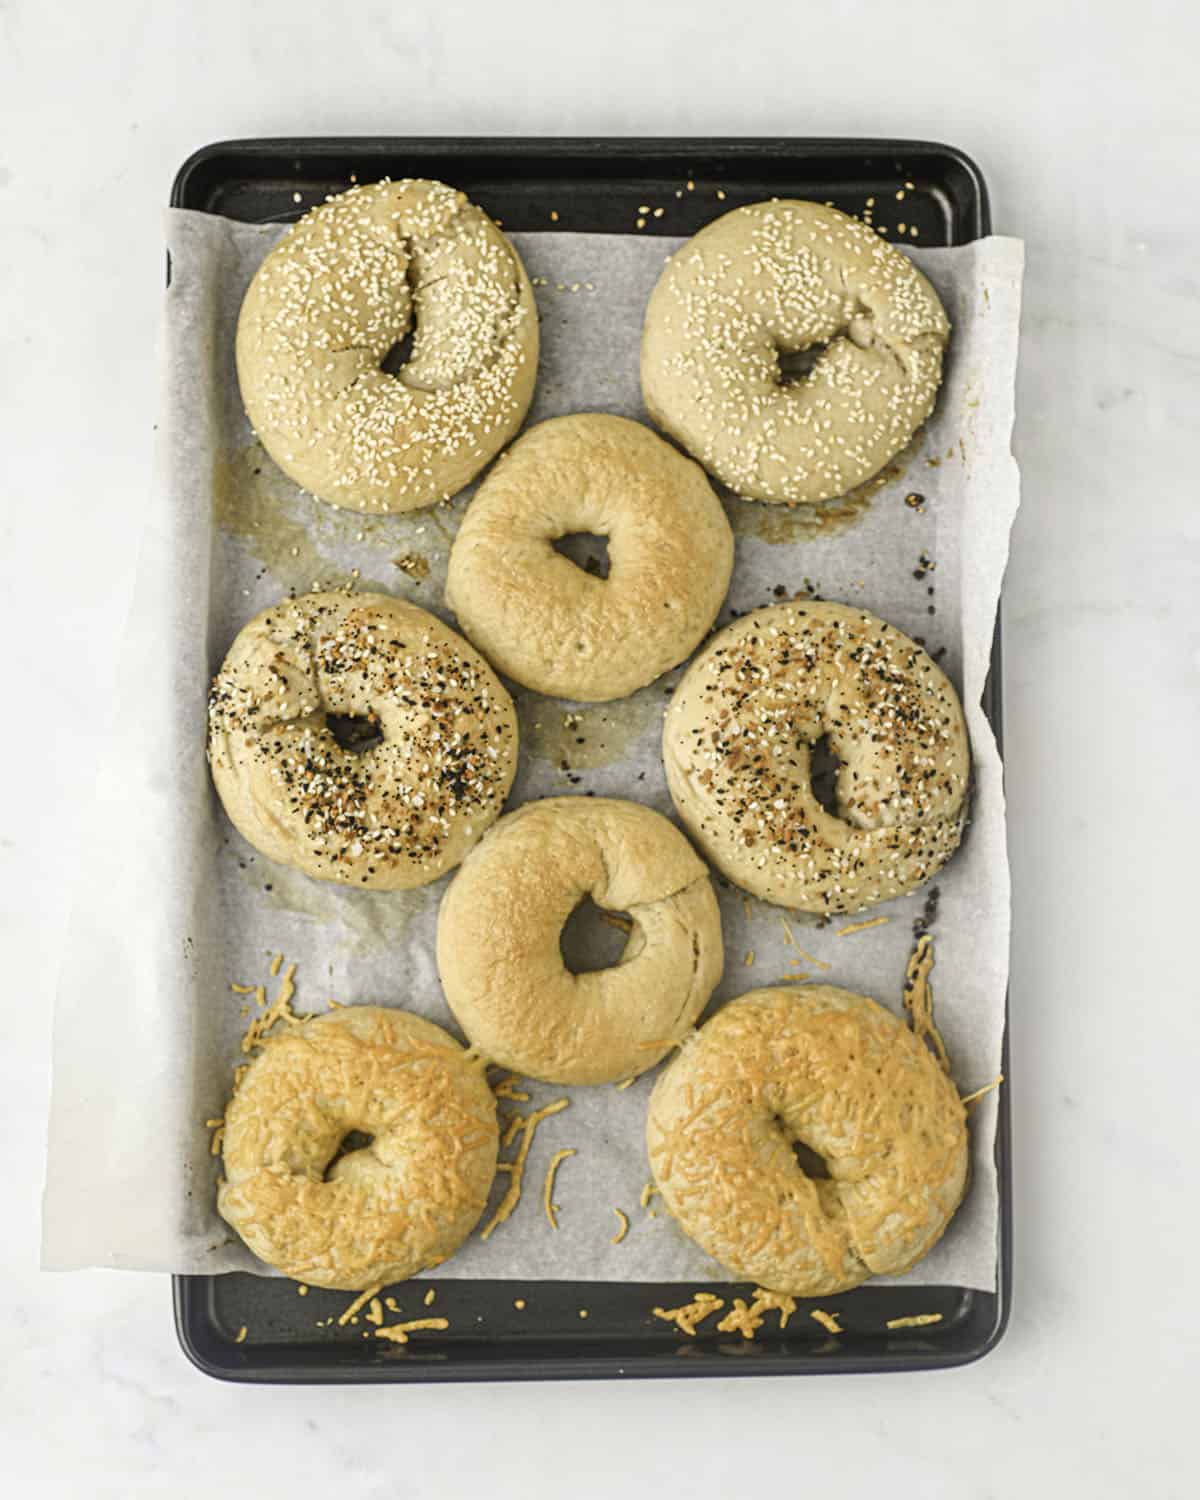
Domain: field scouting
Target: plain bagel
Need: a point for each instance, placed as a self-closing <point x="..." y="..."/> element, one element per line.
<point x="547" y="623"/>
<point x="359" y="739"/>
<point x="737" y="743"/>
<point x="390" y="1208"/>
<point x="837" y="1074"/>
<point x="776" y="279"/>
<point x="498" y="940"/>
<point x="333" y="299"/>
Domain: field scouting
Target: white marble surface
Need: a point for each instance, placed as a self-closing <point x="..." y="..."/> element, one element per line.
<point x="1085" y="120"/>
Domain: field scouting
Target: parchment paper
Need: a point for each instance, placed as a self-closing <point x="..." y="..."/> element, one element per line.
<point x="174" y="905"/>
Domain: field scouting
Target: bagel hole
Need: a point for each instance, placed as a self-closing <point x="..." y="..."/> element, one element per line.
<point x="398" y="355"/>
<point x="355" y="733"/>
<point x="809" y="1161"/>
<point x="353" y="1140"/>
<point x="795" y="364"/>
<point x="586" y="550"/>
<point x="823" y="766"/>
<point x="593" y="938"/>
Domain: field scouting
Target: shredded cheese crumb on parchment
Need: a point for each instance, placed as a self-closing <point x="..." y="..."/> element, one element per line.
<point x="524" y="1126"/>
<point x="622" y="1227"/>
<point x="828" y="1321"/>
<point x="507" y="1089"/>
<point x="861" y="926"/>
<point x="968" y="1100"/>
<point x="548" y="1186"/>
<point x="918" y="999"/>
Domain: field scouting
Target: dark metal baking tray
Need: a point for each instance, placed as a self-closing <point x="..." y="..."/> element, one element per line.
<point x="593" y="185"/>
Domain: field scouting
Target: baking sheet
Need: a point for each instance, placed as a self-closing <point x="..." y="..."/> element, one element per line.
<point x="175" y="905"/>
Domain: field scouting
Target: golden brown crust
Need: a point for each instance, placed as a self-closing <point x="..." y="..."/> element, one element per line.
<point x="839" y="1074"/>
<point x="498" y="940"/>
<point x="736" y="745"/>
<point x="381" y="1213"/>
<point x="390" y="817"/>
<point x="328" y="304"/>
<point x="548" y="624"/>
<point x="781" y="277"/>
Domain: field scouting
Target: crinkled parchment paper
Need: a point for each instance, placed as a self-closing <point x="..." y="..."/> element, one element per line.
<point x="174" y="905"/>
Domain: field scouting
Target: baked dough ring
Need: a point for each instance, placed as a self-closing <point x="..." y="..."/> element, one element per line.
<point x="545" y="622"/>
<point x="392" y="816"/>
<point x="781" y="277"/>
<point x="839" y="1074"/>
<point x="737" y="740"/>
<point x="402" y="1203"/>
<point x="328" y="304"/>
<point x="498" y="940"/>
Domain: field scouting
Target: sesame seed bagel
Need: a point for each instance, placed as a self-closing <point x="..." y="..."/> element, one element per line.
<point x="838" y="1074"/>
<point x="500" y="922"/>
<point x="779" y="278"/>
<point x="403" y="1202"/>
<point x="737" y="744"/>
<point x="359" y="739"/>
<point x="544" y="621"/>
<point x="333" y="298"/>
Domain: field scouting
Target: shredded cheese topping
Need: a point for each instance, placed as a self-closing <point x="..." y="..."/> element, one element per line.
<point x="398" y="1333"/>
<point x="648" y="1192"/>
<point x="686" y="1318"/>
<point x="968" y="1099"/>
<point x="280" y="1009"/>
<point x="861" y="926"/>
<point x="525" y="1126"/>
<point x="548" y="1186"/>
<point x="360" y="1301"/>
<point x="918" y="999"/>
<point x="507" y="1089"/>
<point x="747" y="1319"/>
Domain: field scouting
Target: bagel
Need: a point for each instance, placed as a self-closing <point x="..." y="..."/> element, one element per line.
<point x="737" y="740"/>
<point x="500" y="922"/>
<point x="388" y="815"/>
<point x="332" y="300"/>
<point x="839" y="1075"/>
<point x="401" y="1203"/>
<point x="545" y="622"/>
<point x="776" y="279"/>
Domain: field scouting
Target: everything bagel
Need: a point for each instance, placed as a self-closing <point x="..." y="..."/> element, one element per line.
<point x="737" y="744"/>
<point x="427" y="748"/>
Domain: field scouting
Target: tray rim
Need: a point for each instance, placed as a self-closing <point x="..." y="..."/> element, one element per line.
<point x="187" y="1290"/>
